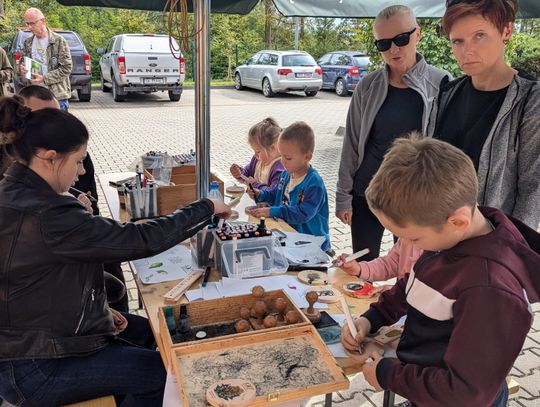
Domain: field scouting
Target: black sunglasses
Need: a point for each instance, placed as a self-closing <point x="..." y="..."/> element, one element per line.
<point x="400" y="40"/>
<point x="450" y="3"/>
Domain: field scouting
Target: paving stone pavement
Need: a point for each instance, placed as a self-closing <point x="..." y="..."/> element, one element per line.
<point x="122" y="131"/>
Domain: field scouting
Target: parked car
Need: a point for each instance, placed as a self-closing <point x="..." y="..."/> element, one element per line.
<point x="81" y="72"/>
<point x="280" y="71"/>
<point x="141" y="63"/>
<point x="342" y="70"/>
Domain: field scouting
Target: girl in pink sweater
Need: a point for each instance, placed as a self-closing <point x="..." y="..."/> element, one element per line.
<point x="398" y="262"/>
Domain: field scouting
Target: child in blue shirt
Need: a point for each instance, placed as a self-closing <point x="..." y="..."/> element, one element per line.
<point x="300" y="197"/>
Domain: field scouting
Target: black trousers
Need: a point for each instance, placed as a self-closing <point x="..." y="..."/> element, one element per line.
<point x="366" y="229"/>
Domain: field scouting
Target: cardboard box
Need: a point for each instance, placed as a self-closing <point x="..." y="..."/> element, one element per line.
<point x="183" y="192"/>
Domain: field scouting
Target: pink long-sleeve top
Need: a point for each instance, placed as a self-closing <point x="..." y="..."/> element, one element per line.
<point x="398" y="262"/>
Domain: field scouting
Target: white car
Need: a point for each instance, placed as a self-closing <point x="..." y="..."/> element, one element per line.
<point x="280" y="71"/>
<point x="141" y="63"/>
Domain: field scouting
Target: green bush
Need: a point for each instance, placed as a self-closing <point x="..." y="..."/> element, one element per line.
<point x="523" y="52"/>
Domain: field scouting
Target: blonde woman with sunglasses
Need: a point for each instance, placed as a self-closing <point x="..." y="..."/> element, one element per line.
<point x="388" y="103"/>
<point x="491" y="113"/>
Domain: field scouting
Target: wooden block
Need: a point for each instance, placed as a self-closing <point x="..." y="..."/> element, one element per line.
<point x="513" y="386"/>
<point x="107" y="401"/>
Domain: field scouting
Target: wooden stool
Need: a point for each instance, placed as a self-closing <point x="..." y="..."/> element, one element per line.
<point x="107" y="401"/>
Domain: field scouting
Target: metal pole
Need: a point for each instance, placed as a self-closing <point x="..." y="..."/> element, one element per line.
<point x="296" y="29"/>
<point x="202" y="96"/>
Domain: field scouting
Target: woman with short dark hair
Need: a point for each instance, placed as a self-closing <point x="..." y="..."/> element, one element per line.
<point x="491" y="113"/>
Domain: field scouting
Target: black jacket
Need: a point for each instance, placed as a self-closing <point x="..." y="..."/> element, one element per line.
<point x="52" y="298"/>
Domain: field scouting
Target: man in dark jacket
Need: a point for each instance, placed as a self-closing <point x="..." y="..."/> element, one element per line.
<point x="6" y="72"/>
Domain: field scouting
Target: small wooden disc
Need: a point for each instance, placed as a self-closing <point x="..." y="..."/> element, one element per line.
<point x="327" y="293"/>
<point x="231" y="392"/>
<point x="359" y="289"/>
<point x="235" y="189"/>
<point x="313" y="277"/>
<point x="234" y="215"/>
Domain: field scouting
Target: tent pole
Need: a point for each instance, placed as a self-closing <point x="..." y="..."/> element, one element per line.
<point x="202" y="96"/>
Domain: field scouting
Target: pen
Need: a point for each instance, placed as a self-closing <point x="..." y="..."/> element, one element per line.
<point x="301" y="242"/>
<point x="84" y="193"/>
<point x="352" y="257"/>
<point x="350" y="322"/>
<point x="205" y="276"/>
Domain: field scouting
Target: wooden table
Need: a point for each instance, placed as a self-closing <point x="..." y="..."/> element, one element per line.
<point x="152" y="295"/>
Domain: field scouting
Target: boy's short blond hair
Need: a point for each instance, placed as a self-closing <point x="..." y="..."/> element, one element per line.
<point x="301" y="134"/>
<point x="422" y="181"/>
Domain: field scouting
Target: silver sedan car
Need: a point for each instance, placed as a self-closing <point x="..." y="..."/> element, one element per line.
<point x="280" y="71"/>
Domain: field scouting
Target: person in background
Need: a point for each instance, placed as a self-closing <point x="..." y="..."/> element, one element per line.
<point x="61" y="343"/>
<point x="491" y="113"/>
<point x="265" y="167"/>
<point x="51" y="50"/>
<point x="37" y="97"/>
<point x="386" y="104"/>
<point x="300" y="197"/>
<point x="6" y="73"/>
<point x="467" y="299"/>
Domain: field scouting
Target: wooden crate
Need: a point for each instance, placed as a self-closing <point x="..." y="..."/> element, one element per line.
<point x="183" y="192"/>
<point x="222" y="310"/>
<point x="293" y="364"/>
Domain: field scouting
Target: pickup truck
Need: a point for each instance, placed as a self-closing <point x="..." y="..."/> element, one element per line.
<point x="141" y="63"/>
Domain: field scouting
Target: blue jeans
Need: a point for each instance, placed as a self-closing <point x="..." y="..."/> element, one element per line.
<point x="132" y="373"/>
<point x="64" y="104"/>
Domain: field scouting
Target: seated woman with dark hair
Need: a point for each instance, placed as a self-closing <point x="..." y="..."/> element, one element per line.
<point x="60" y="342"/>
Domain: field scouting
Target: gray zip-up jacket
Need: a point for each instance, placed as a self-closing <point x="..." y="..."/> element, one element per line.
<point x="509" y="165"/>
<point x="365" y="104"/>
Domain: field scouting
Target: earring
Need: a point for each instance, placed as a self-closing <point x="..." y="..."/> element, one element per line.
<point x="506" y="42"/>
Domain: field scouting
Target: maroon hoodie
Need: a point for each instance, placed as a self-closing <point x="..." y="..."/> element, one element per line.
<point x="468" y="313"/>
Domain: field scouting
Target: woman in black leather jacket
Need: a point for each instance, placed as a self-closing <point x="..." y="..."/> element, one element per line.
<point x="59" y="341"/>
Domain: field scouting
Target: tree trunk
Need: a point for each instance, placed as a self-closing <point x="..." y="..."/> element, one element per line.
<point x="302" y="28"/>
<point x="268" y="14"/>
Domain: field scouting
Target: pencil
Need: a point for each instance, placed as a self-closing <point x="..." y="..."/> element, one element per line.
<point x="84" y="193"/>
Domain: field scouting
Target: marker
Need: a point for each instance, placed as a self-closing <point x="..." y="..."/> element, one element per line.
<point x="352" y="257"/>
<point x="84" y="193"/>
<point x="205" y="276"/>
<point x="350" y="322"/>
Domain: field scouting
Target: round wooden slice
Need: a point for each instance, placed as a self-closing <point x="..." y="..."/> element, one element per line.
<point x="313" y="277"/>
<point x="234" y="215"/>
<point x="327" y="293"/>
<point x="359" y="289"/>
<point x="231" y="392"/>
<point x="235" y="190"/>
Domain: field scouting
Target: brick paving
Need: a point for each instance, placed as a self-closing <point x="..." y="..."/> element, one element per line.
<point x="122" y="131"/>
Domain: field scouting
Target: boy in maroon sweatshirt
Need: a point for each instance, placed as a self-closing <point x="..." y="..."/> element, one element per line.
<point x="467" y="299"/>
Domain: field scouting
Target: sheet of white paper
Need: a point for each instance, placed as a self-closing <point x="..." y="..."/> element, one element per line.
<point x="308" y="252"/>
<point x="172" y="264"/>
<point x="210" y="292"/>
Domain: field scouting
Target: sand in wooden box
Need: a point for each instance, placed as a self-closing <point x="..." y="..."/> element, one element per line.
<point x="285" y="364"/>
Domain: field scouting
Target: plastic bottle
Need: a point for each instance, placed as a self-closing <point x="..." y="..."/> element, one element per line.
<point x="214" y="191"/>
<point x="169" y="318"/>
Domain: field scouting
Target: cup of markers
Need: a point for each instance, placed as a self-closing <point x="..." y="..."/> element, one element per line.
<point x="141" y="198"/>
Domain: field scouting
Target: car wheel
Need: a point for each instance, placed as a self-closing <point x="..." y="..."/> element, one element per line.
<point x="267" y="88"/>
<point x="341" y="89"/>
<point x="116" y="92"/>
<point x="83" y="97"/>
<point x="174" y="97"/>
<point x="104" y="88"/>
<point x="310" y="93"/>
<point x="238" y="81"/>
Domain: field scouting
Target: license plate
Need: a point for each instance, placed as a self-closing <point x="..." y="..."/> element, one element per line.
<point x="153" y="81"/>
<point x="303" y="75"/>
